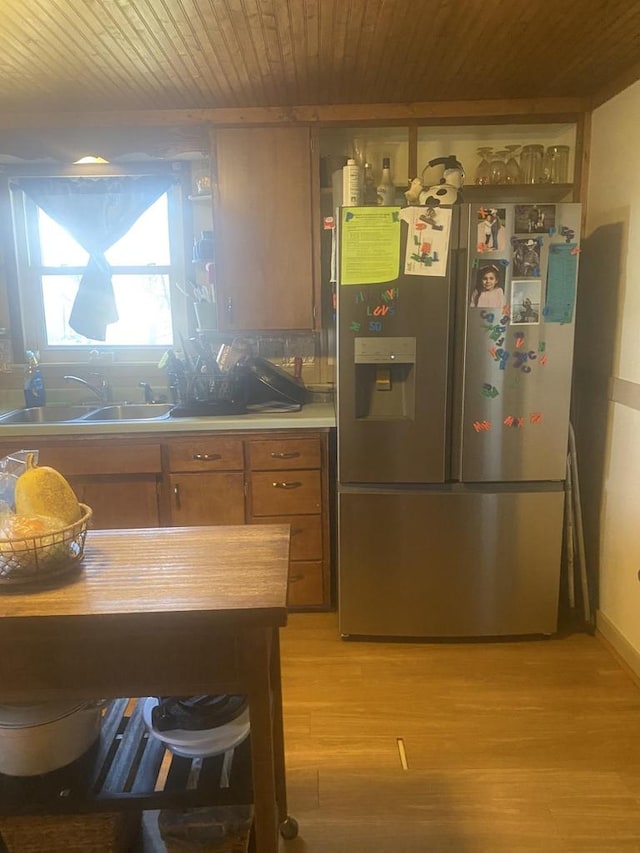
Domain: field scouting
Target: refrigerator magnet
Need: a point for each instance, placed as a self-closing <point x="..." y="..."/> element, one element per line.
<point x="489" y="390"/>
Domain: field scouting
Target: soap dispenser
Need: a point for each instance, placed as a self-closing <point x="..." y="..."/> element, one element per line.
<point x="34" y="391"/>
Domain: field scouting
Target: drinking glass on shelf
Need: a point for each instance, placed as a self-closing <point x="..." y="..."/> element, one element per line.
<point x="497" y="168"/>
<point x="513" y="175"/>
<point x="531" y="164"/>
<point x="482" y="169"/>
<point x="556" y="163"/>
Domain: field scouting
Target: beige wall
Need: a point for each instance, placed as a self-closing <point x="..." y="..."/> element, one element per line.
<point x="608" y="368"/>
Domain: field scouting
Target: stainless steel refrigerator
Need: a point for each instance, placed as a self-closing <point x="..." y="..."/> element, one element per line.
<point x="452" y="411"/>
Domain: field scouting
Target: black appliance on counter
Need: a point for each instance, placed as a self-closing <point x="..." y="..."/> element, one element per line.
<point x="251" y="385"/>
<point x="271" y="387"/>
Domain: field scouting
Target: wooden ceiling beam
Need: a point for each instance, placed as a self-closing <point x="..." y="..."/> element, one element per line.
<point x="426" y="111"/>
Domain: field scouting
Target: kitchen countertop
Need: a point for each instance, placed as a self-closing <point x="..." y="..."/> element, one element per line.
<point x="312" y="416"/>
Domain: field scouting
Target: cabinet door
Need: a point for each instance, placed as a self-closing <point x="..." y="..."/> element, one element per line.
<point x="263" y="228"/>
<point x="119" y="501"/>
<point x="207" y="498"/>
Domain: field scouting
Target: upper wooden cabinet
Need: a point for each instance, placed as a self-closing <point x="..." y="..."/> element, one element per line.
<point x="263" y="223"/>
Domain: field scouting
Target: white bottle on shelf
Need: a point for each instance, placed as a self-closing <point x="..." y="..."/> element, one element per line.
<point x="351" y="184"/>
<point x="386" y="190"/>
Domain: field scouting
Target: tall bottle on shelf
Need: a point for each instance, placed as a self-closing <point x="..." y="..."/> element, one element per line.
<point x="386" y="191"/>
<point x="351" y="184"/>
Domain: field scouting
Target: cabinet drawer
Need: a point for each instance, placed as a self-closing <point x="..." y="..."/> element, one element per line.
<point x="305" y="586"/>
<point x="206" y="454"/>
<point x="103" y="458"/>
<point x="306" y="534"/>
<point x="285" y="492"/>
<point x="275" y="454"/>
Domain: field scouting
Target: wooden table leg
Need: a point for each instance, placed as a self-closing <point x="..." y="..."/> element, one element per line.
<point x="278" y="728"/>
<point x="257" y="651"/>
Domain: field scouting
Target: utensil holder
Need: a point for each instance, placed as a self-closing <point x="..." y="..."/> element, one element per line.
<point x="206" y="316"/>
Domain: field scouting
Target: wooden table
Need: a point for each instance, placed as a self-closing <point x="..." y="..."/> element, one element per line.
<point x="170" y="611"/>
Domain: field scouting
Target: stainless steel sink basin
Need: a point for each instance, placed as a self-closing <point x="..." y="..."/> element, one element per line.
<point x="46" y="414"/>
<point x="130" y="412"/>
<point x="63" y="414"/>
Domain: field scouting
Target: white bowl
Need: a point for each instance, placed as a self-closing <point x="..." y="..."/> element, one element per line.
<point x="203" y="743"/>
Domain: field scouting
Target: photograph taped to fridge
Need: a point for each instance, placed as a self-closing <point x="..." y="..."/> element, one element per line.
<point x="488" y="290"/>
<point x="491" y="229"/>
<point x="525" y="302"/>
<point x="534" y="218"/>
<point x="525" y="252"/>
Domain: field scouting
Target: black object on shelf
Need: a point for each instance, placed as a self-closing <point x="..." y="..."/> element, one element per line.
<point x="197" y="713"/>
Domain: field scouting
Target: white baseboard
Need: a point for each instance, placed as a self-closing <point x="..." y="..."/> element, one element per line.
<point x="620" y="645"/>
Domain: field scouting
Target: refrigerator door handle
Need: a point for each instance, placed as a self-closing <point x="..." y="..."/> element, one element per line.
<point x="459" y="326"/>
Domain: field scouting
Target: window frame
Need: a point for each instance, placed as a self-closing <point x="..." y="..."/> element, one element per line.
<point x="27" y="291"/>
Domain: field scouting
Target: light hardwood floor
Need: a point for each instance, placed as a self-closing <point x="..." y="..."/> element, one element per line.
<point x="511" y="747"/>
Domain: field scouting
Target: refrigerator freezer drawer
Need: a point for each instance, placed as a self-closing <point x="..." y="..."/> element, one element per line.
<point x="449" y="563"/>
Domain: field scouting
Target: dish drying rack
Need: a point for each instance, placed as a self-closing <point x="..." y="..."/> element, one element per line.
<point x="202" y="383"/>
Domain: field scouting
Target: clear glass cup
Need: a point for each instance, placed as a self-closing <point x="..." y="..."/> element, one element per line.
<point x="556" y="167"/>
<point x="482" y="169"/>
<point x="513" y="175"/>
<point x="498" y="168"/>
<point x="531" y="161"/>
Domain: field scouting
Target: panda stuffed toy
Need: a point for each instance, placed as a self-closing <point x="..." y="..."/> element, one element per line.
<point x="449" y="190"/>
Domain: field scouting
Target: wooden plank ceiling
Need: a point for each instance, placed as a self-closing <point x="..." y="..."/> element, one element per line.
<point x="74" y="55"/>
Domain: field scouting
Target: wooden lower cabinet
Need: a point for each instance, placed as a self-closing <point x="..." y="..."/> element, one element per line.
<point x="119" y="479"/>
<point x="207" y="498"/>
<point x="266" y="477"/>
<point x="306" y="575"/>
<point x="287" y="484"/>
<point x="130" y="501"/>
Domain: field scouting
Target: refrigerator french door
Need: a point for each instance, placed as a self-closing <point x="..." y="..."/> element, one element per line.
<point x="452" y="433"/>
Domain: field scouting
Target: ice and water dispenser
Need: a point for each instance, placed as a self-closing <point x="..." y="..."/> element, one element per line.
<point x="385" y="378"/>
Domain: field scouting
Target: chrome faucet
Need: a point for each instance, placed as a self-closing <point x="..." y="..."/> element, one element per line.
<point x="101" y="388"/>
<point x="148" y="392"/>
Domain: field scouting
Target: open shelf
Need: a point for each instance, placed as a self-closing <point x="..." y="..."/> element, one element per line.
<point x="129" y="769"/>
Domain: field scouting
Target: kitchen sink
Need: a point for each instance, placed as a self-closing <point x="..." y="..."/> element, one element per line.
<point x="130" y="412"/>
<point x="46" y="414"/>
<point x="72" y="414"/>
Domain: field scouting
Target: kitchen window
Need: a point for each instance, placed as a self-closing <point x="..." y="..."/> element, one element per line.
<point x="136" y="272"/>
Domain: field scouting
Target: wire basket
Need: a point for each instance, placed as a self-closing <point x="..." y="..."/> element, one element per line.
<point x="38" y="558"/>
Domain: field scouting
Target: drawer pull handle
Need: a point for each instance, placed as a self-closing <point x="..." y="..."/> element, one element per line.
<point x="176" y="492"/>
<point x="206" y="457"/>
<point x="296" y="531"/>
<point x="284" y="485"/>
<point x="295" y="578"/>
<point x="288" y="454"/>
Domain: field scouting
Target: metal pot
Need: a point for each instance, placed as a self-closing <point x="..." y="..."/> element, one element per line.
<point x="42" y="737"/>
